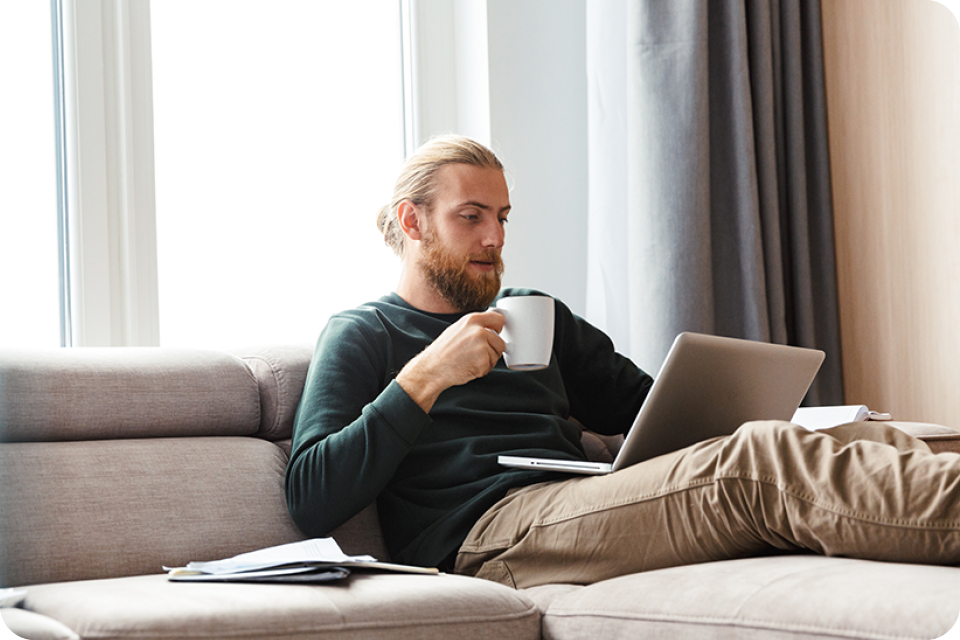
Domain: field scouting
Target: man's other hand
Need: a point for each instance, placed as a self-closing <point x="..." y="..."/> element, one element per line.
<point x="467" y="349"/>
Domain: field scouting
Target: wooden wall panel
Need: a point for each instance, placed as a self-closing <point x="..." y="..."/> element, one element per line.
<point x="893" y="96"/>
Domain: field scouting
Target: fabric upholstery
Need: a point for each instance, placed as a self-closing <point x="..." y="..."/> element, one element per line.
<point x="544" y="595"/>
<point x="100" y="393"/>
<point x="285" y="446"/>
<point x="773" y="598"/>
<point x="362" y="607"/>
<point x="361" y="534"/>
<point x="81" y="510"/>
<point x="280" y="374"/>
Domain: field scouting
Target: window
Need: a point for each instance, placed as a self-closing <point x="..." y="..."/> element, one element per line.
<point x="29" y="278"/>
<point x="250" y="145"/>
<point x="278" y="129"/>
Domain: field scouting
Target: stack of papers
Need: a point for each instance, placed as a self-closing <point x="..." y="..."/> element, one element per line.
<point x="316" y="560"/>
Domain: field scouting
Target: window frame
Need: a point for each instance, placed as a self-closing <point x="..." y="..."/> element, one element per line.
<point x="107" y="201"/>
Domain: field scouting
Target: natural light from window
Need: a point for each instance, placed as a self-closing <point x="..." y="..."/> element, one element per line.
<point x="277" y="136"/>
<point x="29" y="280"/>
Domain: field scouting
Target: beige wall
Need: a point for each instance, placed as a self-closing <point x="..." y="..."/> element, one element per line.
<point x="893" y="96"/>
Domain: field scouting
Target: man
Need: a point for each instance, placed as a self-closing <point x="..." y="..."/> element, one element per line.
<point x="408" y="404"/>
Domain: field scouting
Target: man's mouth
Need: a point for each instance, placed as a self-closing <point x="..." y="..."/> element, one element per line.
<point x="483" y="265"/>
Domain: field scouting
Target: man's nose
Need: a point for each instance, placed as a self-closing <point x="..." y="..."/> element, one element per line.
<point x="494" y="234"/>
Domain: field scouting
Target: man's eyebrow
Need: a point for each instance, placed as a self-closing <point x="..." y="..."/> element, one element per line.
<point x="485" y="207"/>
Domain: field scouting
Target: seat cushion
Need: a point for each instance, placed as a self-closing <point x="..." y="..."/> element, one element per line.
<point x="773" y="598"/>
<point x="364" y="606"/>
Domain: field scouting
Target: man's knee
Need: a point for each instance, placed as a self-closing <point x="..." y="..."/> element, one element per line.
<point x="768" y="431"/>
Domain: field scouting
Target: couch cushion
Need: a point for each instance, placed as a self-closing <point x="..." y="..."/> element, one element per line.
<point x="364" y="606"/>
<point x="280" y="374"/>
<point x="79" y="510"/>
<point x="544" y="595"/>
<point x="772" y="598"/>
<point x="101" y="393"/>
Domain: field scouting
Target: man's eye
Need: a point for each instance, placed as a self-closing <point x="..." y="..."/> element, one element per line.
<point x="503" y="221"/>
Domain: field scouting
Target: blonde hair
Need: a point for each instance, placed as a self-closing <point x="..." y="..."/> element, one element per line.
<point x="417" y="180"/>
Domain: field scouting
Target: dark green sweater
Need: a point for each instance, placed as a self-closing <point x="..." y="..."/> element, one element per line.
<point x="359" y="438"/>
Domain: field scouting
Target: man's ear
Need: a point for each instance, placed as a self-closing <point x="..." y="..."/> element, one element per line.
<point x="409" y="216"/>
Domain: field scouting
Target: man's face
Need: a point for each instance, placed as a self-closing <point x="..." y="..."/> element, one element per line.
<point x="463" y="234"/>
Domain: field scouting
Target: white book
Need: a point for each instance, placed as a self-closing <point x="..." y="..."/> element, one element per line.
<point x="814" y="418"/>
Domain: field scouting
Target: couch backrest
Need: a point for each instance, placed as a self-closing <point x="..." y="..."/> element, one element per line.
<point x="94" y="394"/>
<point x="118" y="461"/>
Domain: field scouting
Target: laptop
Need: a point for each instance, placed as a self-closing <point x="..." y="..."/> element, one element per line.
<point x="707" y="387"/>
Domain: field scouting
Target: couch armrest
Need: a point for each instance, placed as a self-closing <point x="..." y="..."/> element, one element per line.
<point x="35" y="626"/>
<point x="938" y="437"/>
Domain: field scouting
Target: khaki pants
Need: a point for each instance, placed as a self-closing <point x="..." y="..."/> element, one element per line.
<point x="863" y="490"/>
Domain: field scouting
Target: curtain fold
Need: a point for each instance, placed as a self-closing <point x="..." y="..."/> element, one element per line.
<point x="728" y="224"/>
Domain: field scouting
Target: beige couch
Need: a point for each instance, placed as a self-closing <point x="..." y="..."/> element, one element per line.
<point x="115" y="462"/>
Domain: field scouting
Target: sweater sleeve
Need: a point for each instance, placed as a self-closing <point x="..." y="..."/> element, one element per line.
<point x="354" y="426"/>
<point x="605" y="388"/>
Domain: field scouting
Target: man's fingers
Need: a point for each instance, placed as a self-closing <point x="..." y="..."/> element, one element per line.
<point x="489" y="319"/>
<point x="496" y="342"/>
<point x="496" y="354"/>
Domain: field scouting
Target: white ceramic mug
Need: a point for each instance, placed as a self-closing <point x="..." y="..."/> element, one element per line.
<point x="527" y="330"/>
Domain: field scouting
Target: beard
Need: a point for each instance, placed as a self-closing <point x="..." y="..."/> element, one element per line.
<point x="450" y="277"/>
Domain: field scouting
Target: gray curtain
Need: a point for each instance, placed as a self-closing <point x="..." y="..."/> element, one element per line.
<point x="729" y="223"/>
